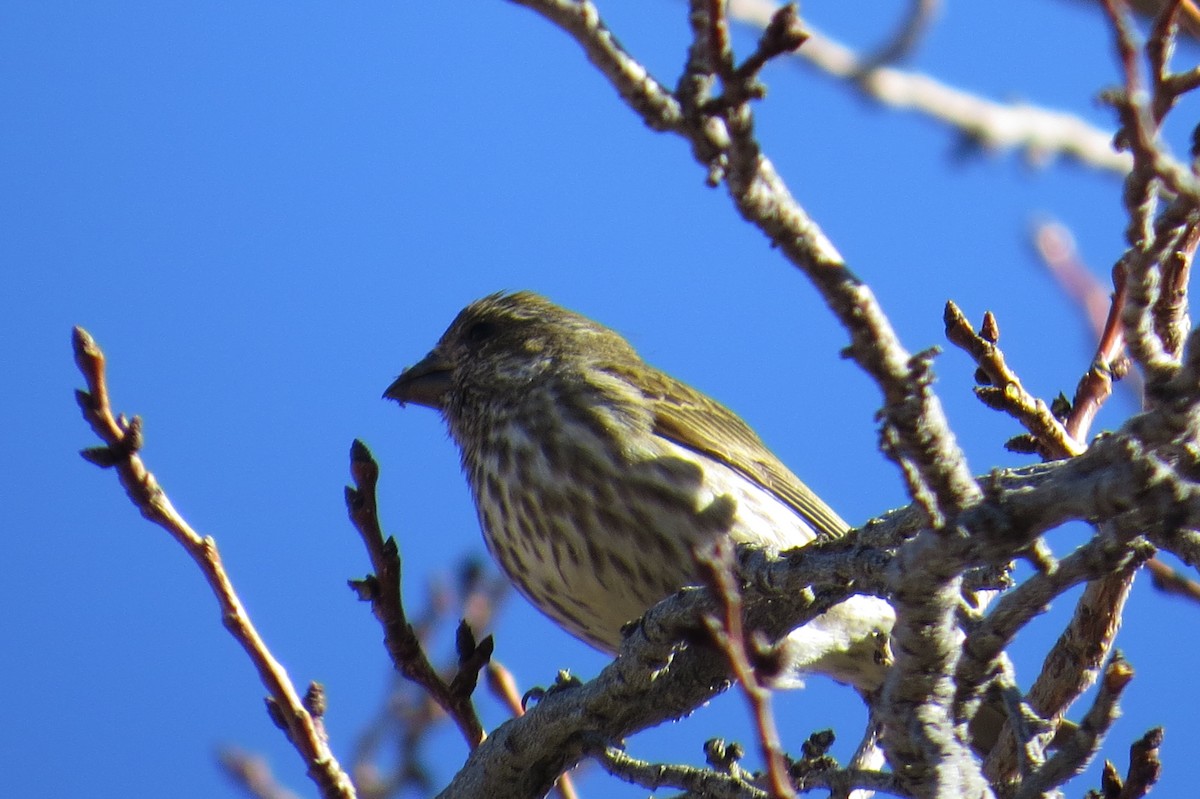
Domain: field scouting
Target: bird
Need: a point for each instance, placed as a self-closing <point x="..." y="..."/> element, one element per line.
<point x="595" y="476"/>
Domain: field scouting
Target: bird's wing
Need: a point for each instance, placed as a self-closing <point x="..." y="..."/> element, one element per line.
<point x="693" y="420"/>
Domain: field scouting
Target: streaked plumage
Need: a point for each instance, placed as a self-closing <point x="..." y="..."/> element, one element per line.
<point x="594" y="475"/>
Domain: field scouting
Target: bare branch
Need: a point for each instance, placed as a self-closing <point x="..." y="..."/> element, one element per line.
<point x="653" y="776"/>
<point x="1040" y="133"/>
<point x="1108" y="364"/>
<point x="1003" y="390"/>
<point x="657" y="678"/>
<point x="122" y="441"/>
<point x="382" y="590"/>
<point x="762" y="198"/>
<point x="1140" y="113"/>
<point x="1081" y="747"/>
<point x="1099" y="557"/>
<point x="1171" y="581"/>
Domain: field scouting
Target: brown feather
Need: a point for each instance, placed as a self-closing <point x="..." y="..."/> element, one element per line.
<point x="695" y="421"/>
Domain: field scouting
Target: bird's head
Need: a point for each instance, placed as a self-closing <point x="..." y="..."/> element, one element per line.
<point x="502" y="345"/>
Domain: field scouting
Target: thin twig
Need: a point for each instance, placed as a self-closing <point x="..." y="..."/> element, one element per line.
<point x="1138" y="109"/>
<point x="382" y="590"/>
<point x="1004" y="391"/>
<point x="697" y="781"/>
<point x="252" y="774"/>
<point x="122" y="441"/>
<point x="717" y="567"/>
<point x="409" y="714"/>
<point x="1102" y="310"/>
<point x="1173" y="582"/>
<point x="1080" y="747"/>
<point x="1074" y="662"/>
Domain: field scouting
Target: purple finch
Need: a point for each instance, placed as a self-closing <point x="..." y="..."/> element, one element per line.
<point x="595" y="475"/>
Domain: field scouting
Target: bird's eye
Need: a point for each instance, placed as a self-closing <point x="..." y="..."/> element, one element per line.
<point x="479" y="332"/>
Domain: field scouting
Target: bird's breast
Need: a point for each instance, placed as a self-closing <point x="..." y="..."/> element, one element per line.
<point x="594" y="531"/>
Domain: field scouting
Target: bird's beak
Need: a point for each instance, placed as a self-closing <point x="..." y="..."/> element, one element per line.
<point x="424" y="383"/>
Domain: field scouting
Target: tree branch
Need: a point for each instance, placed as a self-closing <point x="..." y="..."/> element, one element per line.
<point x="1041" y="134"/>
<point x="122" y="440"/>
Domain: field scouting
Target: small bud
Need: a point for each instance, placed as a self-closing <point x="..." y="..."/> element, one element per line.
<point x="818" y="744"/>
<point x="464" y="641"/>
<point x="1119" y="368"/>
<point x="989" y="331"/>
<point x="103" y="457"/>
<point x="723" y="755"/>
<point x="367" y="589"/>
<point x="1060" y="406"/>
<point x="314" y="699"/>
<point x="275" y="713"/>
<point x="994" y="398"/>
<point x="1023" y="444"/>
<point x="785" y="32"/>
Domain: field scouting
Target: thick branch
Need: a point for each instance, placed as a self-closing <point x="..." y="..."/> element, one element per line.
<point x="655" y="678"/>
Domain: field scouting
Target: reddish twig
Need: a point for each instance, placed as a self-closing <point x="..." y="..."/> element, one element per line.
<point x="1056" y="247"/>
<point x="1171" y="581"/>
<point x="122" y="441"/>
<point x="1140" y="117"/>
<point x="721" y="54"/>
<point x="252" y="774"/>
<point x="1189" y="15"/>
<point x="1108" y="364"/>
<point x="1167" y="87"/>
<point x="717" y="565"/>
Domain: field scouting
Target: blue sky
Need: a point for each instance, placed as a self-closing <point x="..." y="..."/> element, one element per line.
<point x="263" y="211"/>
